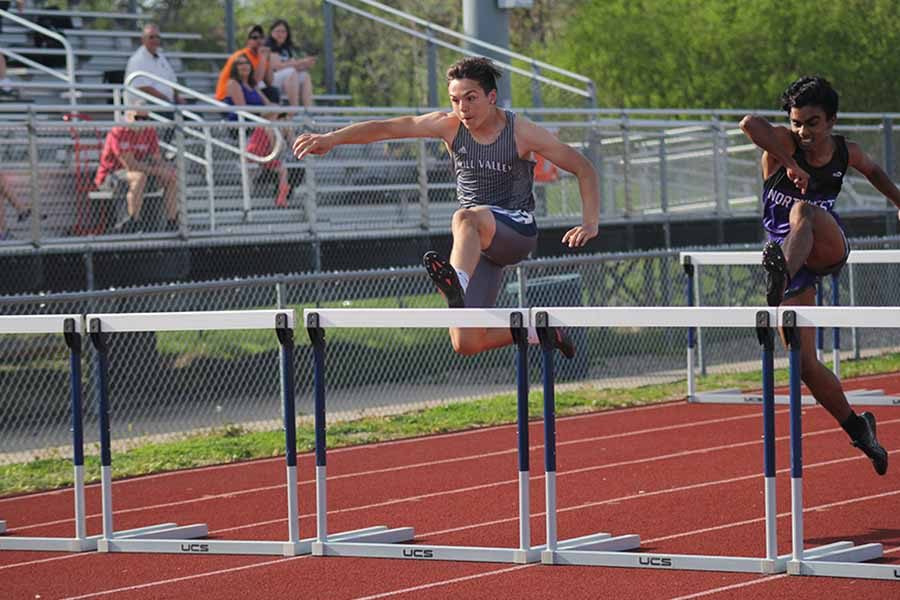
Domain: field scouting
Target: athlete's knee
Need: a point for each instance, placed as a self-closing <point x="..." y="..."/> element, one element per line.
<point x="801" y="211"/>
<point x="465" y="217"/>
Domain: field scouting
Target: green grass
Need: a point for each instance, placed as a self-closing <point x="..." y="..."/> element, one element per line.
<point x="229" y="345"/>
<point x="232" y="444"/>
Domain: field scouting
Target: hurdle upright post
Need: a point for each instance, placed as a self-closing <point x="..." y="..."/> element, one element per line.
<point x="836" y="331"/>
<point x="520" y="339"/>
<point x="692" y="331"/>
<point x="840" y="559"/>
<point x="285" y="334"/>
<point x="820" y="332"/>
<point x="766" y="337"/>
<point x="317" y="338"/>
<point x="71" y="327"/>
<point x="72" y="336"/>
<point x="547" y="376"/>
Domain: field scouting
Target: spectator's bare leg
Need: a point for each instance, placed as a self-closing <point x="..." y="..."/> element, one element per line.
<point x="307" y="90"/>
<point x="137" y="180"/>
<point x="292" y="87"/>
<point x="170" y="182"/>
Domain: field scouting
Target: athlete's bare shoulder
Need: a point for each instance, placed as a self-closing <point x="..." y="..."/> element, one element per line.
<point x="439" y="124"/>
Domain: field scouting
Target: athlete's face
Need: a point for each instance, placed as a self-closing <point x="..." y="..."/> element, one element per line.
<point x="811" y="125"/>
<point x="470" y="104"/>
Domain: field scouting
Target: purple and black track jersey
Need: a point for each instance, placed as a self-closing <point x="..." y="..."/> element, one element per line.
<point x="780" y="193"/>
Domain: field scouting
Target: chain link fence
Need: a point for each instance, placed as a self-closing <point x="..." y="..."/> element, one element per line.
<point x="170" y="384"/>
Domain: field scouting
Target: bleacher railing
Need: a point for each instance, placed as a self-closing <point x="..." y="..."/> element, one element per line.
<point x="68" y="76"/>
<point x="538" y="72"/>
<point x="654" y="165"/>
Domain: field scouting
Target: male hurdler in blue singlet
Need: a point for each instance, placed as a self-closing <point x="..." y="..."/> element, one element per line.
<point x="492" y="151"/>
<point x="803" y="168"/>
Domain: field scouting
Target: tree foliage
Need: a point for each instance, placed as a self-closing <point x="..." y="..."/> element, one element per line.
<point x="640" y="53"/>
<point x="732" y="53"/>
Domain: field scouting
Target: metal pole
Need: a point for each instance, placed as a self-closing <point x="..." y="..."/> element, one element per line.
<point x="626" y="161"/>
<point x="328" y="43"/>
<point x="36" y="211"/>
<point x="229" y="26"/>
<point x="854" y="333"/>
<point x="181" y="174"/>
<point x="431" y="55"/>
<point x="422" y="166"/>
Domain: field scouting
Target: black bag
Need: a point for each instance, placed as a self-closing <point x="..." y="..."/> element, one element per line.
<point x="55" y="23"/>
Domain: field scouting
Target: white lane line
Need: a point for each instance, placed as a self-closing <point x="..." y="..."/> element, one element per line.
<point x="677" y="535"/>
<point x="426" y="586"/>
<point x="504" y="570"/>
<point x="141" y="586"/>
<point x="413" y="440"/>
<point x="735" y="586"/>
<point x="426" y="464"/>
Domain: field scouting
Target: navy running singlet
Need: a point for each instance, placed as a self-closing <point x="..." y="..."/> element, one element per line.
<point x="780" y="193"/>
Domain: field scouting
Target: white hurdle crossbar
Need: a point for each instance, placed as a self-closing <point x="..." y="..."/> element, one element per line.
<point x="847" y="559"/>
<point x="71" y="327"/>
<point x="317" y="321"/>
<point x="171" y="538"/>
<point x="692" y="261"/>
<point x="585" y="550"/>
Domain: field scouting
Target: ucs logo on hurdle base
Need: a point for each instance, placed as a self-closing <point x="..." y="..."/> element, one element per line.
<point x="195" y="547"/>
<point x="897" y="573"/>
<point x="655" y="561"/>
<point x="417" y="553"/>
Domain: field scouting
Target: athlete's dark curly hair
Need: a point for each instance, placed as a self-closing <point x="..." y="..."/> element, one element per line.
<point x="478" y="69"/>
<point x="811" y="91"/>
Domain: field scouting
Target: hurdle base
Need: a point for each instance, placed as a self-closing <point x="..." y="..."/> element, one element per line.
<point x="165" y="542"/>
<point x="48" y="544"/>
<point x="861" y="397"/>
<point x="612" y="552"/>
<point x="844" y="559"/>
<point x="61" y="544"/>
<point x="429" y="552"/>
<point x="160" y="532"/>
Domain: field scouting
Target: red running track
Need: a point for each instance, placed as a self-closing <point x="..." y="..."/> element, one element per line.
<point x="687" y="478"/>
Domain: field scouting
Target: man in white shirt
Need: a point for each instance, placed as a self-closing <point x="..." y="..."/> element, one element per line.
<point x="150" y="58"/>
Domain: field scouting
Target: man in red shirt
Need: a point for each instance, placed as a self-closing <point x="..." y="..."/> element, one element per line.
<point x="131" y="155"/>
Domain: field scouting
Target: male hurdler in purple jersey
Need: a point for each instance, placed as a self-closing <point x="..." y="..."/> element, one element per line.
<point x="780" y="194"/>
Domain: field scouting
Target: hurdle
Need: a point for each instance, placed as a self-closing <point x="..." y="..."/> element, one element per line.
<point x="71" y="327"/>
<point x="171" y="539"/>
<point x="849" y="559"/>
<point x="761" y="319"/>
<point x="517" y="320"/>
<point x="692" y="261"/>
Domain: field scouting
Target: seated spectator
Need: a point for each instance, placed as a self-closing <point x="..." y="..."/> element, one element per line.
<point x="131" y="156"/>
<point x="241" y="89"/>
<point x="149" y="57"/>
<point x="258" y="55"/>
<point x="290" y="71"/>
<point x="261" y="143"/>
<point x="6" y="90"/>
<point x="6" y="195"/>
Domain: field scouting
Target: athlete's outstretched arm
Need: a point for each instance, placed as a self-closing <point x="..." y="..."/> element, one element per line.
<point x="432" y="125"/>
<point x="534" y="138"/>
<point x="860" y="161"/>
<point x="778" y="143"/>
